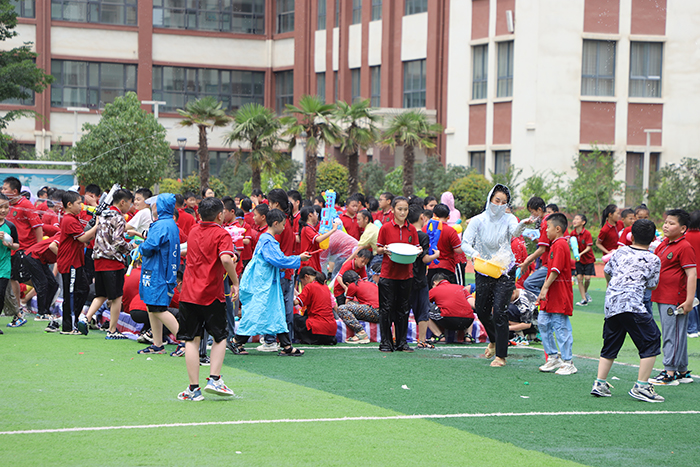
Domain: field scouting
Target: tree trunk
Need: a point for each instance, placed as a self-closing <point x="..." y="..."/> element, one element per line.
<point x="409" y="159"/>
<point x="310" y="175"/>
<point x="353" y="169"/>
<point x="256" y="179"/>
<point x="203" y="154"/>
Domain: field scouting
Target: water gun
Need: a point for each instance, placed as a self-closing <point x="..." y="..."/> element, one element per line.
<point x="237" y="233"/>
<point x="135" y="239"/>
<point x="328" y="215"/>
<point x="90" y="209"/>
<point x="518" y="273"/>
<point x="433" y="229"/>
<point x="135" y="256"/>
<point x="105" y="203"/>
<point x="574" y="248"/>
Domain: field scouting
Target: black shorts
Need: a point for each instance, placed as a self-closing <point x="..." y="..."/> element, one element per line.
<point x="109" y="284"/>
<point x="18" y="273"/>
<point x="194" y="319"/>
<point x="585" y="269"/>
<point x="156" y="308"/>
<point x="642" y="329"/>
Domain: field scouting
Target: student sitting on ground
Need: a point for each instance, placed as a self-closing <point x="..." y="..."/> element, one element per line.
<point x="521" y="312"/>
<point x="317" y="326"/>
<point x="449" y="309"/>
<point x="362" y="304"/>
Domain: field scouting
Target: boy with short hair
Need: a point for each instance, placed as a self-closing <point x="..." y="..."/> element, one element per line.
<point x="449" y="244"/>
<point x="349" y="217"/>
<point x="674" y="297"/>
<point x="139" y="224"/>
<point x="384" y="214"/>
<point x="556" y="301"/>
<point x="210" y="255"/>
<point x="533" y="283"/>
<point x="8" y="242"/>
<point x="630" y="271"/>
<point x="185" y="221"/>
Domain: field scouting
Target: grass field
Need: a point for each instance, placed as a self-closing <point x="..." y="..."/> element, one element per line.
<point x="335" y="406"/>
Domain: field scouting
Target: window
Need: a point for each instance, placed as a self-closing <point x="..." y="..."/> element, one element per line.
<point x="90" y="84"/>
<point x="95" y="11"/>
<point x="376" y="10"/>
<point x="321" y="19"/>
<point x="598" y="69"/>
<point x="480" y="71"/>
<point x="645" y="69"/>
<point x="241" y="16"/>
<point x="505" y="69"/>
<point x="635" y="172"/>
<point x="284" y="87"/>
<point x="24" y="8"/>
<point x="501" y="162"/>
<point x="356" y="11"/>
<point x="355" y="84"/>
<point x="414" y="84"/>
<point x="337" y="13"/>
<point x="321" y="86"/>
<point x="177" y="86"/>
<point x="18" y="101"/>
<point x="285" y="16"/>
<point x="375" y="74"/>
<point x="416" y="6"/>
<point x="477" y="161"/>
<point x="190" y="160"/>
<point x="335" y="92"/>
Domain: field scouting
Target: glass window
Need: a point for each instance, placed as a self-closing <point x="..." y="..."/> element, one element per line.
<point x="416" y="6"/>
<point x="646" y="60"/>
<point x="356" y="11"/>
<point x="477" y="161"/>
<point x="375" y="73"/>
<point x="335" y="86"/>
<point x="598" y="68"/>
<point x="284" y="89"/>
<point x="355" y="84"/>
<point x="337" y="13"/>
<point x="95" y="11"/>
<point x="285" y="16"/>
<point x="177" y="86"/>
<point x="414" y="84"/>
<point x="90" y="84"/>
<point x="321" y="19"/>
<point x="321" y="86"/>
<point x="501" y="162"/>
<point x="480" y="71"/>
<point x="24" y="8"/>
<point x="190" y="162"/>
<point x="240" y="16"/>
<point x="635" y="172"/>
<point x="505" y="69"/>
<point x="376" y="10"/>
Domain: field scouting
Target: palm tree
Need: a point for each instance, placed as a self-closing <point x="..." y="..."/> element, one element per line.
<point x="411" y="130"/>
<point x="203" y="113"/>
<point x="258" y="126"/>
<point x="359" y="126"/>
<point x="312" y="120"/>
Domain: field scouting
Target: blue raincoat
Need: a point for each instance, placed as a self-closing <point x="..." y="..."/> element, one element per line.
<point x="261" y="296"/>
<point x="161" y="255"/>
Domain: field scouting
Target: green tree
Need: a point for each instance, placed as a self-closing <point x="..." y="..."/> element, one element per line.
<point x="235" y="174"/>
<point x="332" y="175"/>
<point x="205" y="113"/>
<point x="393" y="183"/>
<point x="127" y="146"/>
<point x="359" y="132"/>
<point x="544" y="185"/>
<point x="509" y="179"/>
<point x="372" y="177"/>
<point x="678" y="187"/>
<point x="470" y="194"/>
<point x="258" y="127"/>
<point x="311" y="121"/>
<point x="192" y="183"/>
<point x="19" y="76"/>
<point x="269" y="181"/>
<point x="170" y="185"/>
<point x="435" y="179"/>
<point x="411" y="130"/>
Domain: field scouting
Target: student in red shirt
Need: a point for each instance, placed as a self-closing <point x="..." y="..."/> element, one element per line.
<point x="384" y="213"/>
<point x="395" y="279"/>
<point x="557" y="301"/>
<point x="674" y="297"/>
<point x="609" y="233"/>
<point x="295" y="201"/>
<point x="359" y="265"/>
<point x="693" y="236"/>
<point x="534" y="282"/>
<point x="210" y="254"/>
<point x="449" y="246"/>
<point x="628" y="217"/>
<point x="247" y="208"/>
<point x="449" y="309"/>
<point x="185" y="220"/>
<point x="349" y="217"/>
<point x="36" y="261"/>
<point x="585" y="266"/>
<point x="362" y="305"/>
<point x="247" y="252"/>
<point x="70" y="260"/>
<point x="317" y="326"/>
<point x="310" y="238"/>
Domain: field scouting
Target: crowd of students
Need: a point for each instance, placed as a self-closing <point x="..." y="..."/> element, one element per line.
<point x="184" y="270"/>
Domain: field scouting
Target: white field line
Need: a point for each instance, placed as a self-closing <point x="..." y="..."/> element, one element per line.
<point x="350" y="419"/>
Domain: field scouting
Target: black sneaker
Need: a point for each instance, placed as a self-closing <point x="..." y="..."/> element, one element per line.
<point x="684" y="377"/>
<point x="204" y="361"/>
<point x="663" y="379"/>
<point x="52" y="327"/>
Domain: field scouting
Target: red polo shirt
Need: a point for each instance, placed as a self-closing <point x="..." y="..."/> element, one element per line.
<point x="693" y="236"/>
<point x="247" y="252"/>
<point x="452" y="300"/>
<point x="584" y="239"/>
<point x="295" y="229"/>
<point x="676" y="256"/>
<point x="347" y="266"/>
<point x="248" y="218"/>
<point x="364" y="292"/>
<point x="394" y="233"/>
<point x="308" y="244"/>
<point x="609" y="236"/>
<point x="130" y="298"/>
<point x="622" y="240"/>
<point x="560" y="297"/>
<point x="447" y="243"/>
<point x="41" y="250"/>
<point x="287" y="242"/>
<point x="350" y="224"/>
<point x="23" y="214"/>
<point x="319" y="309"/>
<point x="70" y="249"/>
<point x="185" y="221"/>
<point x="383" y="216"/>
<point x="203" y="280"/>
<point x="544" y="241"/>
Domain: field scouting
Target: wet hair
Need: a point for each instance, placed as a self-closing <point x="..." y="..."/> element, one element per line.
<point x="144" y="192"/>
<point x="552" y="207"/>
<point x="304" y="216"/>
<point x="640" y="208"/>
<point x="188" y="195"/>
<point x="609" y="209"/>
<point x="13" y="183"/>
<point x="376" y="267"/>
<point x="372" y="204"/>
<point x="365" y="254"/>
<point x="229" y="203"/>
<point x="558" y="219"/>
<point x="262" y="209"/>
<point x="239" y="213"/>
<point x="309" y="271"/>
<point x="397" y="199"/>
<point x="680" y="214"/>
<point x="583" y="218"/>
<point x="414" y="212"/>
<point x="694" y="223"/>
<point x="441" y="211"/>
<point x="320" y="199"/>
<point x="439" y="277"/>
<point x="350" y="277"/>
<point x="246" y="204"/>
<point x="535" y="203"/>
<point x="69" y="197"/>
<point x="274" y="215"/>
<point x="209" y="208"/>
<point x="279" y="196"/>
<point x="95" y="189"/>
<point x="366" y="214"/>
<point x="428" y="199"/>
<point x="389" y="196"/>
<point x="500" y="188"/>
<point x="121" y="195"/>
<point x="179" y="200"/>
<point x="643" y="231"/>
<point x="626" y="213"/>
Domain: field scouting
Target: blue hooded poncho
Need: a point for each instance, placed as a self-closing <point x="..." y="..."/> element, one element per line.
<point x="161" y="255"/>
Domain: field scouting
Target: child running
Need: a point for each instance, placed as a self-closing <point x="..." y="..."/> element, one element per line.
<point x="585" y="265"/>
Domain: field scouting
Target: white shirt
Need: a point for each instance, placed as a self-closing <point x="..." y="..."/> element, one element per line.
<point x="141" y="221"/>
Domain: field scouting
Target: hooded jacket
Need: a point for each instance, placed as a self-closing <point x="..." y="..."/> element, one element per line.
<point x="161" y="255"/>
<point x="448" y="199"/>
<point x="492" y="230"/>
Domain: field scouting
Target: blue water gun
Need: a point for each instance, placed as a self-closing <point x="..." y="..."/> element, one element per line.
<point x="328" y="214"/>
<point x="434" y="229"/>
<point x="574" y="248"/>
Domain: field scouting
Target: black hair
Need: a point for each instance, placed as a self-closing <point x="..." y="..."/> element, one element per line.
<point x="262" y="209"/>
<point x="414" y="212"/>
<point x="396" y="200"/>
<point x="306" y="202"/>
<point x="188" y="195"/>
<point x="428" y="199"/>
<point x="552" y="207"/>
<point x="144" y="192"/>
<point x="229" y="203"/>
<point x="641" y="207"/>
<point x="256" y="192"/>
<point x="3" y="197"/>
<point x="304" y="216"/>
<point x="626" y="213"/>
<point x="120" y="195"/>
<point x="69" y="197"/>
<point x="366" y="214"/>
<point x="57" y="195"/>
<point x="209" y="208"/>
<point x="295" y="195"/>
<point x="354" y="197"/>
<point x="318" y="209"/>
<point x="694" y="223"/>
<point x="246" y="204"/>
<point x="94" y="189"/>
<point x="376" y="267"/>
<point x="361" y="198"/>
<point x="428" y="213"/>
<point x="558" y="219"/>
<point x="389" y="196"/>
<point x="42" y="191"/>
<point x="583" y="218"/>
<point x="372" y="204"/>
<point x="179" y="200"/>
<point x="643" y="231"/>
<point x="275" y="215"/>
<point x="365" y="254"/>
<point x="198" y="197"/>
<point x="535" y="203"/>
<point x="204" y="191"/>
<point x="680" y="214"/>
<point x="240" y="196"/>
<point x="499" y="188"/>
<point x="309" y="271"/>
<point x="176" y="215"/>
<point x="441" y="211"/>
<point x="239" y="213"/>
<point x="320" y="199"/>
<point x="13" y="183"/>
<point x="279" y="196"/>
<point x="413" y="199"/>
<point x="439" y="277"/>
<point x="609" y="209"/>
<point x="350" y="277"/>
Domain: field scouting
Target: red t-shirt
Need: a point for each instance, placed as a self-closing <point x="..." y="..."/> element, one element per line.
<point x="130" y="298"/>
<point x="447" y="243"/>
<point x="248" y="218"/>
<point x="609" y="236"/>
<point x="51" y="222"/>
<point x="308" y="243"/>
<point x="560" y="298"/>
<point x="203" y="281"/>
<point x="452" y="300"/>
<point x="347" y="266"/>
<point x="365" y="292"/>
<point x="519" y="248"/>
<point x="693" y="237"/>
<point x="70" y="249"/>
<point x="623" y="241"/>
<point x="23" y="214"/>
<point x="584" y="240"/>
<point x="544" y="241"/>
<point x="287" y="241"/>
<point x="185" y="221"/>
<point x="382" y="216"/>
<point x="41" y="250"/>
<point x="350" y="224"/>
<point x="295" y="228"/>
<point x="105" y="264"/>
<point x="676" y="257"/>
<point x="319" y="309"/>
<point x="393" y="233"/>
<point x="247" y="252"/>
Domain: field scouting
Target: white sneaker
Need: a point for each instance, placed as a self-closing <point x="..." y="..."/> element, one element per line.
<point x="567" y="368"/>
<point x="552" y="364"/>
<point x="588" y="297"/>
<point x="218" y="387"/>
<point x="265" y="347"/>
<point x="691" y="335"/>
<point x="582" y="303"/>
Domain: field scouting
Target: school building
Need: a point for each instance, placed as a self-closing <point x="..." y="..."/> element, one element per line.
<point x="524" y="82"/>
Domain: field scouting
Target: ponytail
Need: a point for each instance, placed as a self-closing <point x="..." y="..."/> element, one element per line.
<point x="279" y="196"/>
<point x="309" y="271"/>
<point x="609" y="209"/>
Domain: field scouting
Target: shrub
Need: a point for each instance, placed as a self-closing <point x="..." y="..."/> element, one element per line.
<point x="372" y="176"/>
<point x="678" y="188"/>
<point x="393" y="183"/>
<point x="331" y="175"/>
<point x="470" y="194"/>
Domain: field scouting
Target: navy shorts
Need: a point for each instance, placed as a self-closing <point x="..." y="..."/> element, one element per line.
<point x="585" y="269"/>
<point x="194" y="319"/>
<point x="641" y="327"/>
<point x="109" y="284"/>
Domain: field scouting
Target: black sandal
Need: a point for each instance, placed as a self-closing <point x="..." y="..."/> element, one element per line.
<point x="291" y="352"/>
<point x="435" y="339"/>
<point x="237" y="349"/>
